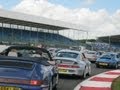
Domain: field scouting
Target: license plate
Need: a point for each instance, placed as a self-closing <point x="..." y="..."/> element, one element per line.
<point x="104" y="64"/>
<point x="62" y="70"/>
<point x="8" y="88"/>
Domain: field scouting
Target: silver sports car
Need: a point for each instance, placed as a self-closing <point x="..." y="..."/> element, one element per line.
<point x="71" y="62"/>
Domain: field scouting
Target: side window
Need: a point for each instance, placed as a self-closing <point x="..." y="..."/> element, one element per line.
<point x="118" y="56"/>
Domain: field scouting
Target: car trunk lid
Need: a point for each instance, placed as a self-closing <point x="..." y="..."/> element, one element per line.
<point x="67" y="63"/>
<point x="16" y="69"/>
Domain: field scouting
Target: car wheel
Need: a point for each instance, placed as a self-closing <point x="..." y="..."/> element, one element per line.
<point x="50" y="85"/>
<point x="116" y="66"/>
<point x="55" y="87"/>
<point x="97" y="66"/>
<point x="84" y="73"/>
<point x="55" y="81"/>
<point x="89" y="72"/>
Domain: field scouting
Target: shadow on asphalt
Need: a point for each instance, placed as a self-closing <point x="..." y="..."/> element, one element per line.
<point x="71" y="77"/>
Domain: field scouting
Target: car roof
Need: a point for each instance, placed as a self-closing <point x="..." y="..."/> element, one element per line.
<point x="92" y="51"/>
<point x="111" y="53"/>
<point x="27" y="47"/>
<point x="68" y="50"/>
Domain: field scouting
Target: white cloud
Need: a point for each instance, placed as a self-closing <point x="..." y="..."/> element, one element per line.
<point x="88" y="2"/>
<point x="98" y="23"/>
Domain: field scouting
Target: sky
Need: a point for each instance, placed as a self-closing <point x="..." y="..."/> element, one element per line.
<point x="98" y="17"/>
<point x="109" y="5"/>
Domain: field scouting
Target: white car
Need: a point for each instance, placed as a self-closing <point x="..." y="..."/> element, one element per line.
<point x="91" y="55"/>
<point x="72" y="62"/>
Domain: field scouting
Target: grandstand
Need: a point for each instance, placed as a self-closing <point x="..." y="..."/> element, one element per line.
<point x="18" y="28"/>
<point x="23" y="36"/>
<point x="112" y="40"/>
<point x="107" y="43"/>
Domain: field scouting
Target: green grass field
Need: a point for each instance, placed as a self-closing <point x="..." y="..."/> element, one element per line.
<point x="116" y="84"/>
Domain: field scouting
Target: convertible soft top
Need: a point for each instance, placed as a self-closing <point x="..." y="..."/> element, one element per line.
<point x="40" y="60"/>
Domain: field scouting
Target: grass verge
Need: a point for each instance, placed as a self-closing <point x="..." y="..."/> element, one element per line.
<point x="116" y="84"/>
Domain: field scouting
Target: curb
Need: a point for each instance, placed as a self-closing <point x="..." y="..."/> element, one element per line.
<point x="101" y="81"/>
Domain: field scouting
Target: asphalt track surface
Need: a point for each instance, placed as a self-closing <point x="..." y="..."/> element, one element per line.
<point x="70" y="82"/>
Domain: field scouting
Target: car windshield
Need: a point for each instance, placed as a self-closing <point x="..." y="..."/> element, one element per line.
<point x="67" y="54"/>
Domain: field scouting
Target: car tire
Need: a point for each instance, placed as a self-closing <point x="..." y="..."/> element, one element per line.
<point x="55" y="87"/>
<point x="56" y="82"/>
<point x="84" y="74"/>
<point x="116" y="66"/>
<point x="89" y="73"/>
<point x="97" y="66"/>
<point x="50" y="85"/>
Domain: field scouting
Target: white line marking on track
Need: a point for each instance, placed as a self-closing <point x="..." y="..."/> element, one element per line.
<point x="103" y="84"/>
<point x="106" y="75"/>
<point x="96" y="84"/>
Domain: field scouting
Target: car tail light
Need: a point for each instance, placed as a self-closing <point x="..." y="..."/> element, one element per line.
<point x="36" y="82"/>
<point x="61" y="65"/>
<point x="19" y="81"/>
<point x="75" y="66"/>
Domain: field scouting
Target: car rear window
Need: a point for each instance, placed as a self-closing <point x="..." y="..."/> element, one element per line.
<point x="67" y="54"/>
<point x="91" y="52"/>
<point x="16" y="64"/>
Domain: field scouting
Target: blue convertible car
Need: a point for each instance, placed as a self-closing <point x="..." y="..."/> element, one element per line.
<point x="27" y="72"/>
<point x="109" y="60"/>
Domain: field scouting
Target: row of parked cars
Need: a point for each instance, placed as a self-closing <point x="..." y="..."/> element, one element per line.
<point x="101" y="58"/>
<point x="104" y="59"/>
<point x="33" y="68"/>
